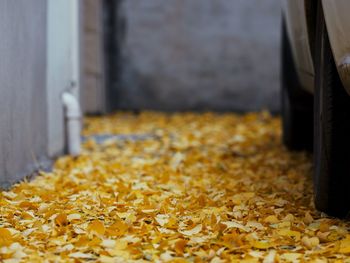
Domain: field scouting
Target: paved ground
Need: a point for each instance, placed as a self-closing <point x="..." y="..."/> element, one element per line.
<point x="173" y="188"/>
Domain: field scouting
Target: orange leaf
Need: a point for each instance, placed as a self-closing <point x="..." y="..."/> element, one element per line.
<point x="261" y="244"/>
<point x="180" y="246"/>
<point x="5" y="237"/>
<point x="82" y="241"/>
<point x="61" y="220"/>
<point x="28" y="205"/>
<point x="26" y="215"/>
<point x="95" y="242"/>
<point x="119" y="228"/>
<point x="96" y="227"/>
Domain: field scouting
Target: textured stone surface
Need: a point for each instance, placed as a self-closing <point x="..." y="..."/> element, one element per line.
<point x="200" y="54"/>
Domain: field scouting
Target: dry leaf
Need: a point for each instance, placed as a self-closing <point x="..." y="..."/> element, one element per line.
<point x="233" y="224"/>
<point x="96" y="227"/>
<point x="5" y="237"/>
<point x="180" y="246"/>
<point x="310" y="242"/>
<point x="201" y="187"/>
<point x="192" y="231"/>
<point x="61" y="220"/>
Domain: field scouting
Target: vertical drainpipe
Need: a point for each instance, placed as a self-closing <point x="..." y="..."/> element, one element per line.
<point x="73" y="123"/>
<point x="70" y="98"/>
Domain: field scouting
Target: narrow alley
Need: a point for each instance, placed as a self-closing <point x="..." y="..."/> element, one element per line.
<point x="174" y="131"/>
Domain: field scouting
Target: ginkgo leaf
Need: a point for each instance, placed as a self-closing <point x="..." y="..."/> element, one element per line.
<point x="71" y="217"/>
<point x="180" y="187"/>
<point x="81" y="255"/>
<point x="180" y="246"/>
<point x="5" y="237"/>
<point x="195" y="230"/>
<point x="96" y="227"/>
<point x="61" y="219"/>
<point x="233" y="224"/>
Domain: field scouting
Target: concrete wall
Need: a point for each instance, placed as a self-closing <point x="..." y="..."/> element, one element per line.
<point x="199" y="54"/>
<point x="93" y="92"/>
<point x="23" y="125"/>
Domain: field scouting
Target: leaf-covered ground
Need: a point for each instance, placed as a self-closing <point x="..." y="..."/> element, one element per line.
<point x="173" y="188"/>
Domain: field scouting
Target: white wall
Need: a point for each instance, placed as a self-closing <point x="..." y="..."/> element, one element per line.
<point x="63" y="66"/>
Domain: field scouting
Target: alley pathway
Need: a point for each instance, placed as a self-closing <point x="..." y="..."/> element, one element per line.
<point x="173" y="188"/>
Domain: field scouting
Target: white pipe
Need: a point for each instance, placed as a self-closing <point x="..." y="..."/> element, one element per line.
<point x="73" y="122"/>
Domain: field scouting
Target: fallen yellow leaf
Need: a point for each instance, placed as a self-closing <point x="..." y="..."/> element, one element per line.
<point x="96" y="227"/>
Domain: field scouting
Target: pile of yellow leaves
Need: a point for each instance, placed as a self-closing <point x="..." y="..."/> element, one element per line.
<point x="174" y="188"/>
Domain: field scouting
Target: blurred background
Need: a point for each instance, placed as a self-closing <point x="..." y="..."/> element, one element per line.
<point x="176" y="55"/>
<point x="60" y="59"/>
